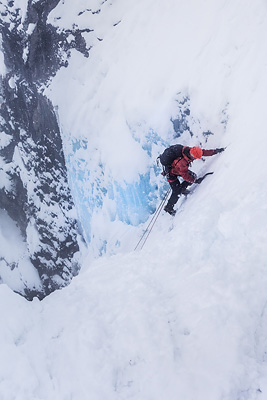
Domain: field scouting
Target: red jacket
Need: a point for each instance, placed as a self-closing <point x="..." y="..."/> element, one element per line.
<point x="181" y="165"/>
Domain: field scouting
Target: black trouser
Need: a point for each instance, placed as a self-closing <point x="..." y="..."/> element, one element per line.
<point x="177" y="189"/>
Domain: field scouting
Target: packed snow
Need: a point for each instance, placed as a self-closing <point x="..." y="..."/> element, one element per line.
<point x="186" y="316"/>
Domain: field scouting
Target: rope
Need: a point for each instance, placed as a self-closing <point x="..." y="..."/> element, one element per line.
<point x="152" y="221"/>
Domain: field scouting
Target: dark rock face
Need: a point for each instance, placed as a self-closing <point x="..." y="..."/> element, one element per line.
<point x="37" y="197"/>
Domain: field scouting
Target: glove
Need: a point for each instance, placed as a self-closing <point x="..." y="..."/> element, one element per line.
<point x="220" y="150"/>
<point x="192" y="174"/>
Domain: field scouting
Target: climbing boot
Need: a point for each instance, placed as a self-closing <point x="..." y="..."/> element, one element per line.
<point x="170" y="210"/>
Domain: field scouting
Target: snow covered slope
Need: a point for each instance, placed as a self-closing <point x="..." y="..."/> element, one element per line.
<point x="151" y="66"/>
<point x="118" y="108"/>
<point x="186" y="317"/>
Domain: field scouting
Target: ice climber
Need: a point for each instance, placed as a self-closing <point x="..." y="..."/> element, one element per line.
<point x="176" y="161"/>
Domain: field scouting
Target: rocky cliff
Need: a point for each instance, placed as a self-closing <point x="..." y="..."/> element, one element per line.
<point x="34" y="191"/>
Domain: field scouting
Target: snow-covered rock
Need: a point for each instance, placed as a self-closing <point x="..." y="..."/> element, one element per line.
<point x="34" y="184"/>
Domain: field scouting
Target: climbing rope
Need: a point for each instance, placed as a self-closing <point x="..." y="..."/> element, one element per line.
<point x="152" y="222"/>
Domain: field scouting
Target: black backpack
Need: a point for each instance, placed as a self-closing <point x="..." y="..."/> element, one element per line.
<point x="170" y="154"/>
